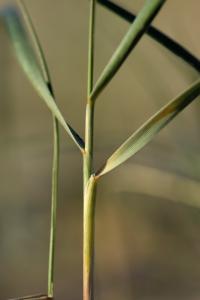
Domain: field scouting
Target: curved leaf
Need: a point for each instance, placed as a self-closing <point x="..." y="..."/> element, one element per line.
<point x="27" y="59"/>
<point x="147" y="131"/>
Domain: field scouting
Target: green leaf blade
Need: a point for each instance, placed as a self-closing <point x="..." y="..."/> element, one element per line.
<point x="36" y="42"/>
<point x="149" y="129"/>
<point x="28" y="61"/>
<point x="127" y="44"/>
<point x="160" y="37"/>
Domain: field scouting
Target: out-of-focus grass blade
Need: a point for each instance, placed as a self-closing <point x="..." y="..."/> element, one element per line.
<point x="158" y="184"/>
<point x="33" y="297"/>
<point x="156" y="34"/>
<point x="147" y="131"/>
<point x="27" y="58"/>
<point x="129" y="41"/>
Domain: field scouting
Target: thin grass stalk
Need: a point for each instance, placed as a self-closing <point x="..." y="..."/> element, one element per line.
<point x="91" y="46"/>
<point x="89" y="133"/>
<point x="88" y="239"/>
<point x="55" y="160"/>
<point x="89" y="183"/>
<point x="89" y="118"/>
<point x="89" y="208"/>
<point x="54" y="198"/>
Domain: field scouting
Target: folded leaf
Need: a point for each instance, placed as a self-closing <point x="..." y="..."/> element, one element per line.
<point x="129" y="41"/>
<point x="156" y="34"/>
<point x="27" y="59"/>
<point x="147" y="131"/>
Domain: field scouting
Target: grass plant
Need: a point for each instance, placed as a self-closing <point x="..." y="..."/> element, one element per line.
<point x="30" y="55"/>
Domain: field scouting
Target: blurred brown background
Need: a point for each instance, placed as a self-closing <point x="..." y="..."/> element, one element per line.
<point x="147" y="236"/>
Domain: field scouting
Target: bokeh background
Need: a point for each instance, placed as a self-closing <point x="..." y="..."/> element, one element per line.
<point x="147" y="219"/>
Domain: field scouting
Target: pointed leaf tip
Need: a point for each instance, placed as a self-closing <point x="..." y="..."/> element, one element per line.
<point x="149" y="129"/>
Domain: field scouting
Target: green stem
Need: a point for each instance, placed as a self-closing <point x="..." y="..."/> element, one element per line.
<point x="89" y="181"/>
<point x="88" y="239"/>
<point x="55" y="164"/>
<point x="89" y="118"/>
<point x="54" y="195"/>
<point x="89" y="206"/>
<point x="89" y="132"/>
<point x="91" y="46"/>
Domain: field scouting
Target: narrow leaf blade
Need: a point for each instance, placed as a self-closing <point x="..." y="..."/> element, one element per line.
<point x="156" y="34"/>
<point x="36" y="42"/>
<point x="27" y="59"/>
<point x="147" y="131"/>
<point x="129" y="41"/>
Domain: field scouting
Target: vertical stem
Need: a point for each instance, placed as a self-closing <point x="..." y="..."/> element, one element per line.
<point x="89" y="206"/>
<point x="54" y="196"/>
<point x="89" y="131"/>
<point x="89" y="119"/>
<point x="91" y="46"/>
<point x="88" y="239"/>
<point x="89" y="182"/>
<point x="55" y="165"/>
